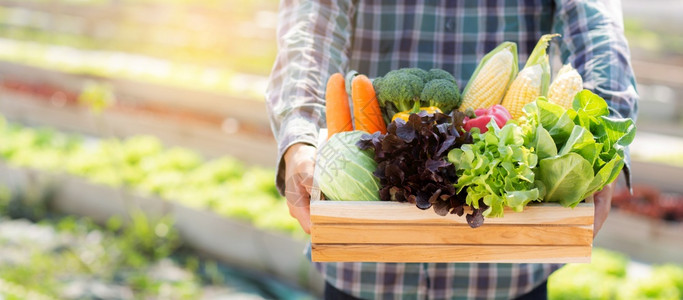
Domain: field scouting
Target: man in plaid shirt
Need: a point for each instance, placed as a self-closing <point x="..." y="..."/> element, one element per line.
<point x="319" y="38"/>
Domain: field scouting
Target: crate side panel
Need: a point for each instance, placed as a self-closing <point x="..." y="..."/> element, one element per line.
<point x="492" y="234"/>
<point x="450" y="253"/>
<point x="368" y="212"/>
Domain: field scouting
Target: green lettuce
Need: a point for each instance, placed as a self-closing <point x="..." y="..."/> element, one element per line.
<point x="553" y="154"/>
<point x="590" y="146"/>
<point x="497" y="169"/>
<point x="566" y="178"/>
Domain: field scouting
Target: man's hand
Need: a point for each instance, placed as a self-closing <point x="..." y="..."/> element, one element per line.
<point x="603" y="202"/>
<point x="299" y="166"/>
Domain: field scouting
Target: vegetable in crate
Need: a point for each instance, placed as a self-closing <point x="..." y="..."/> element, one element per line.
<point x="366" y="112"/>
<point x="400" y="89"/>
<point x="482" y="117"/>
<point x="411" y="161"/>
<point x="441" y="93"/>
<point x="410" y="90"/>
<point x="532" y="81"/>
<point x="491" y="78"/>
<point x="405" y="115"/>
<point x="565" y="86"/>
<point x="337" y="111"/>
<point x="497" y="169"/>
<point x="580" y="149"/>
<point x="554" y="154"/>
<point x="345" y="172"/>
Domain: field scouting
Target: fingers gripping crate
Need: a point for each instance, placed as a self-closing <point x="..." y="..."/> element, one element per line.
<point x="379" y="231"/>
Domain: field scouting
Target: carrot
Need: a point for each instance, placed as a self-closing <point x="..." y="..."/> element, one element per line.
<point x="366" y="113"/>
<point x="337" y="111"/>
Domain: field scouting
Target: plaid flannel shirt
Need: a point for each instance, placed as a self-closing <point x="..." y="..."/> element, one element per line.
<point x="319" y="38"/>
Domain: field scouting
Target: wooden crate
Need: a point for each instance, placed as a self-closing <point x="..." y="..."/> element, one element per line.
<point x="379" y="231"/>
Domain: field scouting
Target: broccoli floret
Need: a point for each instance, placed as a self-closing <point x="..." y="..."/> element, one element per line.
<point x="439" y="74"/>
<point x="376" y="83"/>
<point x="399" y="88"/>
<point x="441" y="93"/>
<point x="417" y="72"/>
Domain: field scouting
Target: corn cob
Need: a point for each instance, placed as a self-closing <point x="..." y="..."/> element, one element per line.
<point x="566" y="84"/>
<point x="491" y="78"/>
<point x="532" y="81"/>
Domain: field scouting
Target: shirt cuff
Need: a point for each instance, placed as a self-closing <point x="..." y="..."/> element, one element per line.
<point x="295" y="129"/>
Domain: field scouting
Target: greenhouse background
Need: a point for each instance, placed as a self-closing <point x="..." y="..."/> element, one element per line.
<point x="137" y="161"/>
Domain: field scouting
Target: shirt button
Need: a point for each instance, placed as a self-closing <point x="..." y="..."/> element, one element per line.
<point x="450" y="24"/>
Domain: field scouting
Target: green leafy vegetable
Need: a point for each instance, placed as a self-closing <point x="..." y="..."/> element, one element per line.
<point x="590" y="146"/>
<point x="553" y="154"/>
<point x="566" y="178"/>
<point x="345" y="172"/>
<point x="497" y="168"/>
<point x="411" y="162"/>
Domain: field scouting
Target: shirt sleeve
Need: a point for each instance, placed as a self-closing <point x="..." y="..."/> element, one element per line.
<point x="593" y="42"/>
<point x="313" y="42"/>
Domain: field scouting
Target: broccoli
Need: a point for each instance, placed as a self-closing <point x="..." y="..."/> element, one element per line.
<point x="417" y="72"/>
<point x="439" y="74"/>
<point x="399" y="88"/>
<point x="376" y="83"/>
<point x="441" y="93"/>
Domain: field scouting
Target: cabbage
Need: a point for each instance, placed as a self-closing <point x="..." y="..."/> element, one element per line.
<point x="344" y="172"/>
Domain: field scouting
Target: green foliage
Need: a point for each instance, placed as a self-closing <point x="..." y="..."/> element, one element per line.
<point x="435" y="74"/>
<point x="220" y="171"/>
<point x="581" y="149"/>
<point x="96" y="96"/>
<point x="606" y="277"/>
<point x="260" y="179"/>
<point x="598" y="280"/>
<point x="424" y="75"/>
<point x="401" y="88"/>
<point x="408" y="89"/>
<point x="143" y="164"/>
<point x="216" y="72"/>
<point x="665" y="282"/>
<point x="30" y="204"/>
<point x="441" y="93"/>
<point x="5" y="198"/>
<point x="345" y="172"/>
<point x="136" y="148"/>
<point x="497" y="168"/>
<point x="86" y="252"/>
<point x="150" y="239"/>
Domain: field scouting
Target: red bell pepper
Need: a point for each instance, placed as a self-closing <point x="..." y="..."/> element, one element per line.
<point x="483" y="116"/>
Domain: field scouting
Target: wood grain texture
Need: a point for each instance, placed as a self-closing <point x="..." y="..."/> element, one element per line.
<point x="435" y="234"/>
<point x="451" y="253"/>
<point x="383" y="212"/>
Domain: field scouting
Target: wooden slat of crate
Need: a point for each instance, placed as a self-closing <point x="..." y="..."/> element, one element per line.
<point x="451" y="253"/>
<point x="394" y="212"/>
<point x="435" y="234"/>
<point x="354" y="231"/>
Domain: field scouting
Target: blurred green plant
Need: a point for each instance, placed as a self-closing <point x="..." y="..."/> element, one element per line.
<point x="96" y="96"/>
<point x="659" y="40"/>
<point x="89" y="250"/>
<point x="607" y="277"/>
<point x="143" y="165"/>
